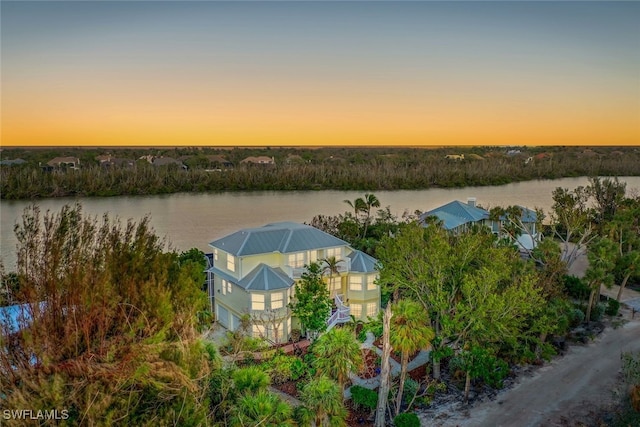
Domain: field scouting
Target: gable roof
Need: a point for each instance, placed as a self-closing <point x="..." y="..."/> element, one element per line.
<point x="456" y="213"/>
<point x="265" y="278"/>
<point x="283" y="237"/>
<point x="362" y="263"/>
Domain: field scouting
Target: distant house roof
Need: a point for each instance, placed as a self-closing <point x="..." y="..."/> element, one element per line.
<point x="13" y="162"/>
<point x="528" y="215"/>
<point x="259" y="160"/>
<point x="216" y="158"/>
<point x="265" y="278"/>
<point x="362" y="263"/>
<point x="57" y="161"/>
<point x="456" y="213"/>
<point x="283" y="237"/>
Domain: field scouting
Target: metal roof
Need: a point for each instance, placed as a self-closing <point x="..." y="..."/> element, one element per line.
<point x="456" y="213"/>
<point x="283" y="237"/>
<point x="362" y="263"/>
<point x="265" y="278"/>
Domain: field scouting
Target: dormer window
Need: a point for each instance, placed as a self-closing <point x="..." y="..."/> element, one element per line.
<point x="231" y="262"/>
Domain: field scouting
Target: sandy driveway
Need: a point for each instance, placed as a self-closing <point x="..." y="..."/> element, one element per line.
<point x="578" y="382"/>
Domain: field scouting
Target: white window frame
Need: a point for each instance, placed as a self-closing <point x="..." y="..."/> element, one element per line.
<point x="257" y="302"/>
<point x="356" y="310"/>
<point x="371" y="283"/>
<point x="215" y="255"/>
<point x="335" y="252"/>
<point x="296" y="260"/>
<point x="277" y="300"/>
<point x="231" y="263"/>
<point x="372" y="309"/>
<point x="355" y="283"/>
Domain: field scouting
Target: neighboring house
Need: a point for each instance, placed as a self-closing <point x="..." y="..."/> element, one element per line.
<point x="254" y="271"/>
<point x="458" y="217"/>
<point x="167" y="161"/>
<point x="108" y="161"/>
<point x="217" y="160"/>
<point x="260" y="160"/>
<point x="64" y="162"/>
<point x="12" y="162"/>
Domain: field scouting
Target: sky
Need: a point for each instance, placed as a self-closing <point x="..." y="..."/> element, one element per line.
<point x="275" y="73"/>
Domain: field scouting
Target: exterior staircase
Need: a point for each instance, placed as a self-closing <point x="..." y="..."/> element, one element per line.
<point x="341" y="314"/>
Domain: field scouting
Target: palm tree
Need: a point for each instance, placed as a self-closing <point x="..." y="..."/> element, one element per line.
<point x="323" y="403"/>
<point x="358" y="206"/>
<point x="331" y="267"/>
<point x="370" y="201"/>
<point x="262" y="409"/>
<point x="409" y="333"/>
<point x="337" y="354"/>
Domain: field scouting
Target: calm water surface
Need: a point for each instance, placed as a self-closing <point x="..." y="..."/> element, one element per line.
<point x="194" y="220"/>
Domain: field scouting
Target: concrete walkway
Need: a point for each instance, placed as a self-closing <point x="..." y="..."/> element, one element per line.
<point x="371" y="383"/>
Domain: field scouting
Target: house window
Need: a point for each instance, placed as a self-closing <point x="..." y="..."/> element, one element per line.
<point x="335" y="252"/>
<point x="226" y="287"/>
<point x="257" y="302"/>
<point x="355" y="283"/>
<point x="277" y="300"/>
<point x="231" y="262"/>
<point x="335" y="284"/>
<point x="258" y="331"/>
<point x="371" y="283"/>
<point x="296" y="260"/>
<point x="215" y="254"/>
<point x="356" y="310"/>
<point x="372" y="309"/>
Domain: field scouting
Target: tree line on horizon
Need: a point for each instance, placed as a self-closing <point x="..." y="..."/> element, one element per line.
<point x="370" y="169"/>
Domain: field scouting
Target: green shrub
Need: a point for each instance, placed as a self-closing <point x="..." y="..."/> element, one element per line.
<point x="408" y="419"/>
<point x="612" y="308"/>
<point x="575" y="287"/>
<point x="363" y="397"/>
<point x="280" y="368"/>
<point x="298" y="369"/>
<point x="596" y="312"/>
<point x="577" y="316"/>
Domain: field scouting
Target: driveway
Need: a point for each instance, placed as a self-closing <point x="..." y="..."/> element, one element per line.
<point x="584" y="379"/>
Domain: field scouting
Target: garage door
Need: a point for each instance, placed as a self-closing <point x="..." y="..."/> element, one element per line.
<point x="223" y="316"/>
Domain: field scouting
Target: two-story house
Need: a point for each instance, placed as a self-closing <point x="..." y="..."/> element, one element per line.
<point x="254" y="270"/>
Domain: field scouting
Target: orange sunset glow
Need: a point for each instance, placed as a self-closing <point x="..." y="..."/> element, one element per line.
<point x="219" y="74"/>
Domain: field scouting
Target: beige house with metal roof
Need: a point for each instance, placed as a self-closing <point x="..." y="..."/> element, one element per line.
<point x="254" y="270"/>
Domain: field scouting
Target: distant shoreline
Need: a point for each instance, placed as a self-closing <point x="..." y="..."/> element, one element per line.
<point x="82" y="172"/>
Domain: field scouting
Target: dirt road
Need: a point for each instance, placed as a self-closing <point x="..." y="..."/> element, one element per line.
<point x="570" y="386"/>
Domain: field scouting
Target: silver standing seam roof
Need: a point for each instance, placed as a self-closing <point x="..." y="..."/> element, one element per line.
<point x="283" y="237"/>
<point x="265" y="278"/>
<point x="362" y="263"/>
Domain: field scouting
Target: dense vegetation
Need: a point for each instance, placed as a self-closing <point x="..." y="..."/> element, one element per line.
<point x="302" y="169"/>
<point x="112" y="323"/>
<point x="107" y="328"/>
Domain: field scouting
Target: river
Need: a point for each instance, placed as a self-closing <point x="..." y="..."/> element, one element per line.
<point x="193" y="220"/>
